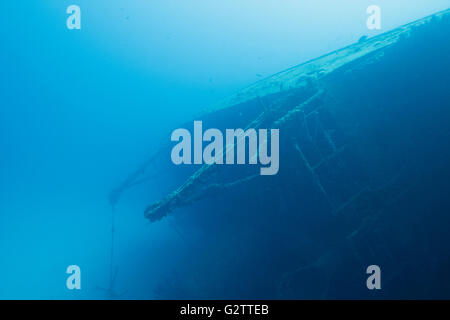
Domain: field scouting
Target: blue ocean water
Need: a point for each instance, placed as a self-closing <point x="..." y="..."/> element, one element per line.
<point x="81" y="109"/>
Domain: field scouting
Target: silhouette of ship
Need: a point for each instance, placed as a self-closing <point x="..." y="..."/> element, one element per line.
<point x="364" y="174"/>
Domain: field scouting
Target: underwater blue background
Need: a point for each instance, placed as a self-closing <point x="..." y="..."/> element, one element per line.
<point x="80" y="109"/>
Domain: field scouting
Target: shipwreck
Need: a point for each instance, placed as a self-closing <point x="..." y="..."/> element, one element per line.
<point x="363" y="178"/>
